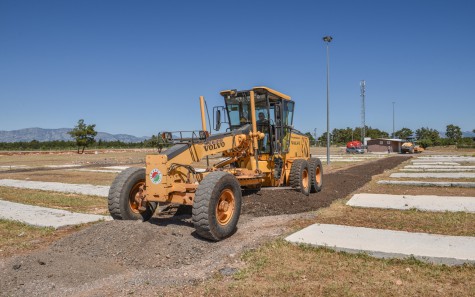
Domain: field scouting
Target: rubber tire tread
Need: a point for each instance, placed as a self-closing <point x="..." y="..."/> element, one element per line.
<point x="313" y="164"/>
<point x="118" y="199"/>
<point x="295" y="178"/>
<point x="204" y="205"/>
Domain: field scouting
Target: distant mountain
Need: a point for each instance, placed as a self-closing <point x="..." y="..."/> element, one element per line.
<point x="41" y="135"/>
<point x="464" y="134"/>
<point x="468" y="134"/>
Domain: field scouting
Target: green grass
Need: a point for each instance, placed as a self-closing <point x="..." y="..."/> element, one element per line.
<point x="447" y="223"/>
<point x="283" y="269"/>
<point x="71" y="202"/>
<point x="16" y="236"/>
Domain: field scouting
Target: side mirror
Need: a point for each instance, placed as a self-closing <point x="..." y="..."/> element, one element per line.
<point x="218" y="120"/>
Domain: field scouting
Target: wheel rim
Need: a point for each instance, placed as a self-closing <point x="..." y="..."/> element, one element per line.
<point x="225" y="207"/>
<point x="318" y="175"/>
<point x="134" y="197"/>
<point x="305" y="179"/>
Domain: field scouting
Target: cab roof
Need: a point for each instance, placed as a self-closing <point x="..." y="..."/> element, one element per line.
<point x="258" y="90"/>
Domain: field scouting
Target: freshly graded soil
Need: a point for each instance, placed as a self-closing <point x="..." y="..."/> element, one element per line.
<point x="143" y="258"/>
<point x="336" y="185"/>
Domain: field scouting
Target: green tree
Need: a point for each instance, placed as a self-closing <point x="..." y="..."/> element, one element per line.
<point x="310" y="138"/>
<point x="342" y="136"/>
<point x="34" y="144"/>
<point x="357" y="133"/>
<point x="428" y="133"/>
<point x="323" y="139"/>
<point x="404" y="133"/>
<point x="376" y="133"/>
<point x="453" y="133"/>
<point x="425" y="143"/>
<point x="83" y="134"/>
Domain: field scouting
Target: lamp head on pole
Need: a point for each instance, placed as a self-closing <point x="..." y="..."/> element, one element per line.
<point x="327" y="38"/>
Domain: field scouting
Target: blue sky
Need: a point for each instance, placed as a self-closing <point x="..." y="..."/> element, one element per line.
<point x="138" y="67"/>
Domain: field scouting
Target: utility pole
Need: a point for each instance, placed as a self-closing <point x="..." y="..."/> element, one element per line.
<point x="315" y="136"/>
<point x="394" y="135"/>
<point x="327" y="40"/>
<point x="363" y="120"/>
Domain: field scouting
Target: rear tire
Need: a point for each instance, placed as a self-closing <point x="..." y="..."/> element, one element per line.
<point x="299" y="176"/>
<point x="316" y="175"/>
<point x="217" y="206"/>
<point x="121" y="202"/>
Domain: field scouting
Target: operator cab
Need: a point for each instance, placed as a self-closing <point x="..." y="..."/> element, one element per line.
<point x="273" y="113"/>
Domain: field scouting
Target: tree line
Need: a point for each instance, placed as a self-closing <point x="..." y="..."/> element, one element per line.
<point x="425" y="136"/>
<point x="82" y="136"/>
<point x="35" y="145"/>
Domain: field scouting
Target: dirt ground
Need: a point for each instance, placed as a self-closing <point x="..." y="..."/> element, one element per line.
<point x="146" y="258"/>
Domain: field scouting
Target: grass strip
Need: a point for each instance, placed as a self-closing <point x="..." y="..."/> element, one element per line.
<point x="17" y="236"/>
<point x="446" y="223"/>
<point x="71" y="202"/>
<point x="63" y="176"/>
<point x="283" y="269"/>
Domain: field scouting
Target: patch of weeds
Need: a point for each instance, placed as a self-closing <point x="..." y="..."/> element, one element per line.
<point x="335" y="289"/>
<point x="16" y="236"/>
<point x="280" y="268"/>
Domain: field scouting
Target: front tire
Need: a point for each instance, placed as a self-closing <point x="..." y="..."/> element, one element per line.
<point x="299" y="176"/>
<point x="316" y="175"/>
<point x="121" y="199"/>
<point x="217" y="206"/>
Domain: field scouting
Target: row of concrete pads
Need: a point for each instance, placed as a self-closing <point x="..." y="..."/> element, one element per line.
<point x="56" y="218"/>
<point x="434" y="248"/>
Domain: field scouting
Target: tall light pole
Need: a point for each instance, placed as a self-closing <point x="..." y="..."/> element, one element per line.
<point x="315" y="134"/>
<point x="363" y="110"/>
<point x="394" y="135"/>
<point x="327" y="40"/>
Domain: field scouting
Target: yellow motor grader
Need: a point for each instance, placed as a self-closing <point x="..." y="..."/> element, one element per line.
<point x="411" y="147"/>
<point x="260" y="148"/>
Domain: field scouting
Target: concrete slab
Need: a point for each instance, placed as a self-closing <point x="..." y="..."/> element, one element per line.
<point x="13" y="166"/>
<point x="84" y="189"/>
<point x="116" y="167"/>
<point x="455" y="175"/>
<point x="440" y="166"/>
<point x="448" y="159"/>
<point x="45" y="217"/>
<point x="443" y="249"/>
<point x="456" y="169"/>
<point x="427" y="184"/>
<point x="62" y="166"/>
<point x="435" y="163"/>
<point x="421" y="202"/>
<point x="97" y="170"/>
<point x="441" y="156"/>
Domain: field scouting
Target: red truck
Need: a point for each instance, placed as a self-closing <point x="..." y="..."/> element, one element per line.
<point x="354" y="147"/>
